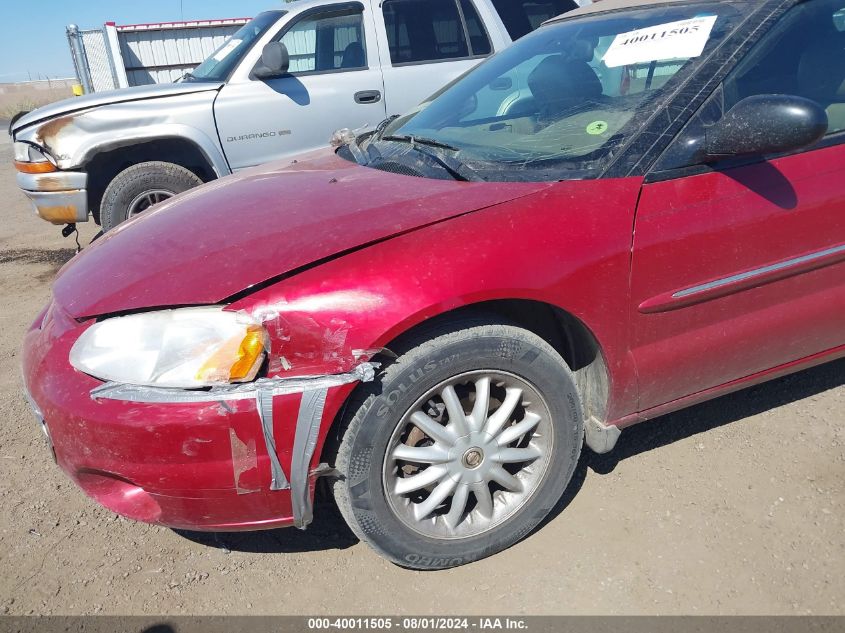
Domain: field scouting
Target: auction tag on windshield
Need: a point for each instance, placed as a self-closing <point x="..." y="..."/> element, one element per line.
<point x="223" y="53"/>
<point x="673" y="40"/>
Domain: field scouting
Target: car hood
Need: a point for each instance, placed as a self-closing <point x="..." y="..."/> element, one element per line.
<point x="223" y="238"/>
<point x="138" y="93"/>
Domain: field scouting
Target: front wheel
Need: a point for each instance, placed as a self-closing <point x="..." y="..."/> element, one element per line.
<point x="464" y="445"/>
<point x="137" y="188"/>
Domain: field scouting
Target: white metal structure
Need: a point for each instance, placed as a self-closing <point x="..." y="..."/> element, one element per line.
<point x="120" y="56"/>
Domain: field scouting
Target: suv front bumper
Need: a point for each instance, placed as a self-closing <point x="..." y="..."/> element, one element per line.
<point x="59" y="197"/>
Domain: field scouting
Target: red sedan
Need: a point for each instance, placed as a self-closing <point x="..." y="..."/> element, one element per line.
<point x="636" y="208"/>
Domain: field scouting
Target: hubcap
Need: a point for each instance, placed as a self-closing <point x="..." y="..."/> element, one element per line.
<point x="468" y="455"/>
<point x="145" y="200"/>
<point x="473" y="458"/>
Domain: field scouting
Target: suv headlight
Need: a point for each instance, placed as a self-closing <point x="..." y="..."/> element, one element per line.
<point x="31" y="160"/>
<point x="187" y="348"/>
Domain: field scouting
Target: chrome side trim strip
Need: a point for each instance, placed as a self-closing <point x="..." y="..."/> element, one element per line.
<point x="759" y="272"/>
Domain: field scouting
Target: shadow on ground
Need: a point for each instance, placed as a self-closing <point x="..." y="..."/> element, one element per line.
<point x="54" y="258"/>
<point x="329" y="531"/>
<point x="734" y="408"/>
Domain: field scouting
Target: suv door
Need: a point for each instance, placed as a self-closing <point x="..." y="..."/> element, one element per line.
<point x="428" y="44"/>
<point x="738" y="266"/>
<point x="334" y="81"/>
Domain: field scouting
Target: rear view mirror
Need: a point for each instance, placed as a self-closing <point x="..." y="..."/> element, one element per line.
<point x="766" y="124"/>
<point x="468" y="107"/>
<point x="502" y="83"/>
<point x="275" y="61"/>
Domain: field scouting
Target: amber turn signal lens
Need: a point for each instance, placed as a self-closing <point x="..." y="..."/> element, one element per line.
<point x="237" y="360"/>
<point x="249" y="352"/>
<point x="35" y="168"/>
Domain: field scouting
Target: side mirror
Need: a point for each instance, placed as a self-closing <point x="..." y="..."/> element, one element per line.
<point x="766" y="124"/>
<point x="275" y="61"/>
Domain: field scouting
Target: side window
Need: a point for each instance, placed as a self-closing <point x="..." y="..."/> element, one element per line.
<point x="433" y="30"/>
<point x="520" y="17"/>
<point x="327" y="42"/>
<point x="803" y="55"/>
<point x="478" y="39"/>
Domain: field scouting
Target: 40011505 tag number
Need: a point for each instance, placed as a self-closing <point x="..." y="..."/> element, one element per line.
<point x="686" y="30"/>
<point x="354" y="624"/>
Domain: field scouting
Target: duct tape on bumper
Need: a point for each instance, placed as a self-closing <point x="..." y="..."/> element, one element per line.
<point x="314" y="390"/>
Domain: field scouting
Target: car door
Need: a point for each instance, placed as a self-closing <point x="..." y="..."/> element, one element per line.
<point x="739" y="266"/>
<point x="427" y="44"/>
<point x="334" y="81"/>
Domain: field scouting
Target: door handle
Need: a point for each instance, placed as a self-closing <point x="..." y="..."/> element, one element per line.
<point x="368" y="96"/>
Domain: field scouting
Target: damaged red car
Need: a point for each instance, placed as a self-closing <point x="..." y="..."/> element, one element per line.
<point x="638" y="207"/>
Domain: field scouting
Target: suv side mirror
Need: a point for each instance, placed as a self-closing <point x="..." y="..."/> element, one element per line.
<point x="766" y="124"/>
<point x="275" y="61"/>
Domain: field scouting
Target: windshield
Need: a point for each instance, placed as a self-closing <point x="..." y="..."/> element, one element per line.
<point x="561" y="99"/>
<point x="223" y="61"/>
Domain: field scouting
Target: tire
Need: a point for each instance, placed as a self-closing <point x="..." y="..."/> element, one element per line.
<point x="136" y="188"/>
<point x="378" y="446"/>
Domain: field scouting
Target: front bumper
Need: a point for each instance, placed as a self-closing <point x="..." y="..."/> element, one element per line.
<point x="59" y="197"/>
<point x="191" y="465"/>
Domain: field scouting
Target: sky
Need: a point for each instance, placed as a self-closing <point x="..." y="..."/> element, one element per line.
<point x="34" y="44"/>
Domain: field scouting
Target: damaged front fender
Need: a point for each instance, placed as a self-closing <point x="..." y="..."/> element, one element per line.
<point x="73" y="139"/>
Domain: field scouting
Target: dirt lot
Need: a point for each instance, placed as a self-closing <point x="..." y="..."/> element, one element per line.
<point x="733" y="507"/>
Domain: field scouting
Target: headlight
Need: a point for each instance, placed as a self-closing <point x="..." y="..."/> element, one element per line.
<point x="31" y="160"/>
<point x="186" y="348"/>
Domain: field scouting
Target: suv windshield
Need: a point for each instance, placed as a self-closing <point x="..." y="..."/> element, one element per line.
<point x="556" y="104"/>
<point x="223" y="61"/>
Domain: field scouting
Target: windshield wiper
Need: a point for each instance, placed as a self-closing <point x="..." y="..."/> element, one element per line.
<point x="354" y="145"/>
<point x="357" y="153"/>
<point x="420" y="140"/>
<point x="188" y="76"/>
<point x="381" y="127"/>
<point x="433" y="149"/>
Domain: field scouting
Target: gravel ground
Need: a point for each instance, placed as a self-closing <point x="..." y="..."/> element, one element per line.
<point x="732" y="507"/>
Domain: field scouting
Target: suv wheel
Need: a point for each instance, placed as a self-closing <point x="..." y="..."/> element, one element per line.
<point x="137" y="188"/>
